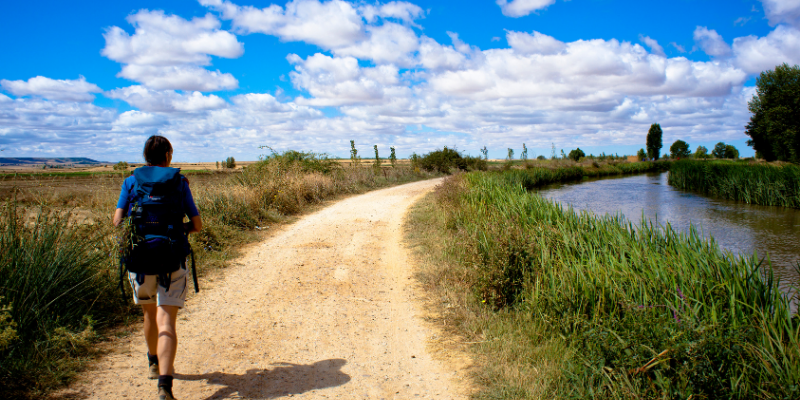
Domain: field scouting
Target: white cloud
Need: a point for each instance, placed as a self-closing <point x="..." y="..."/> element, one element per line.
<point x="537" y="43"/>
<point x="406" y="12"/>
<point x="137" y="119"/>
<point x="711" y="42"/>
<point x="168" y="52"/>
<point x="149" y="100"/>
<point x="434" y="56"/>
<point x="655" y="48"/>
<point x="783" y="11"/>
<point x="389" y="43"/>
<point x="336" y="81"/>
<point x="521" y="8"/>
<point x="329" y="25"/>
<point x="678" y="47"/>
<point x="179" y="77"/>
<point x="754" y="54"/>
<point x="53" y="89"/>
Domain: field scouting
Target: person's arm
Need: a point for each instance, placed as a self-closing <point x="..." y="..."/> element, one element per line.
<point x="194" y="225"/>
<point x="118" y="216"/>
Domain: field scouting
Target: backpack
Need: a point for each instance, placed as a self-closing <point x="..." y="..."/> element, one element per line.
<point x="155" y="242"/>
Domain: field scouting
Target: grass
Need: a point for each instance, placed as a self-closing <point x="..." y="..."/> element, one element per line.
<point x="761" y="183"/>
<point x="58" y="270"/>
<point x="562" y="304"/>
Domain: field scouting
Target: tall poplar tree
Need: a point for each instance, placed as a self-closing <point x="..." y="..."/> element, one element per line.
<point x="654" y="142"/>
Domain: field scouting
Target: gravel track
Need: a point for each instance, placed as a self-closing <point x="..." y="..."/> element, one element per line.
<point x="325" y="308"/>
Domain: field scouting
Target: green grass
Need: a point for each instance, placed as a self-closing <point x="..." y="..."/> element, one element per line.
<point x="762" y="184"/>
<point x="572" y="305"/>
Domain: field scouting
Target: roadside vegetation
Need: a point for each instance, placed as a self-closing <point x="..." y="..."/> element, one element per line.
<point x="560" y="304"/>
<point x="752" y="183"/>
<point x="58" y="264"/>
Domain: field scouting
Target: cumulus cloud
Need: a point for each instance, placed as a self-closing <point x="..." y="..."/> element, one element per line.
<point x="537" y="43"/>
<point x="655" y="48"/>
<point x="328" y="25"/>
<point x="782" y="11"/>
<point x="711" y="42"/>
<point x="521" y="8"/>
<point x="53" y="89"/>
<point x="389" y="43"/>
<point x="754" y="54"/>
<point x="406" y="12"/>
<point x="167" y="100"/>
<point x="168" y="52"/>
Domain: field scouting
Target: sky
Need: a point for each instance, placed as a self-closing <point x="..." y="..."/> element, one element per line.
<point x="222" y="78"/>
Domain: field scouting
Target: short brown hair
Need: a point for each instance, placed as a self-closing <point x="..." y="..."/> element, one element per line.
<point x="155" y="150"/>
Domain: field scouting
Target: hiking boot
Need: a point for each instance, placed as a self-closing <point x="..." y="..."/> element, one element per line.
<point x="165" y="393"/>
<point x="153" y="371"/>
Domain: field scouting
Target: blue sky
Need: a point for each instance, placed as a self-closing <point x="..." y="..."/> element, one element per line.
<point x="220" y="78"/>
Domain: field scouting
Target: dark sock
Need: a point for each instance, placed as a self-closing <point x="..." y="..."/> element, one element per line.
<point x="165" y="381"/>
<point x="153" y="359"/>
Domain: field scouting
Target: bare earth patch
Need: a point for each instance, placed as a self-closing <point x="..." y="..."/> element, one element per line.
<point x="326" y="308"/>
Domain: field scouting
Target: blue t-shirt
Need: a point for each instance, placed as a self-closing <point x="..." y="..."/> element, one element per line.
<point x="126" y="196"/>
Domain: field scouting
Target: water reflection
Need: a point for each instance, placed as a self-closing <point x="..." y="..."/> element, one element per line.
<point x="739" y="227"/>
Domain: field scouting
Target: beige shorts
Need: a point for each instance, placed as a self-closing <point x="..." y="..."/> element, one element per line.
<point x="151" y="292"/>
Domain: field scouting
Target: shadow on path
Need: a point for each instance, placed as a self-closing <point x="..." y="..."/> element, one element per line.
<point x="282" y="380"/>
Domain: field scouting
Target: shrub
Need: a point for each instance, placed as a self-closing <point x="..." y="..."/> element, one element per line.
<point x="445" y="160"/>
<point x="679" y="149"/>
<point x="121" y="166"/>
<point x="577" y="154"/>
<point x="229" y="163"/>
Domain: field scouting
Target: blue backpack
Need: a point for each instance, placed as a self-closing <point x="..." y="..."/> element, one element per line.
<point x="157" y="243"/>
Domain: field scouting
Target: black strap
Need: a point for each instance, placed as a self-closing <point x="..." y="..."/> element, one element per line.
<point x="122" y="271"/>
<point x="194" y="272"/>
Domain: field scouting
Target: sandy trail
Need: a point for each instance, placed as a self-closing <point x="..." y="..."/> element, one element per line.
<point x="324" y="309"/>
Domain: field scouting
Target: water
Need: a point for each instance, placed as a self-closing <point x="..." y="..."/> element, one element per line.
<point x="738" y="227"/>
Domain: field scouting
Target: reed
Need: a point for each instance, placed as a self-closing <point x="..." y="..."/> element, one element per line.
<point x="763" y="184"/>
<point x="640" y="312"/>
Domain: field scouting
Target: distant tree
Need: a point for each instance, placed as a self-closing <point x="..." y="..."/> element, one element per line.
<point x="774" y="127"/>
<point x="719" y="150"/>
<point x="217" y="164"/>
<point x="230" y="163"/>
<point x="679" y="149"/>
<point x="641" y="154"/>
<point x="576" y="154"/>
<point x="654" y="141"/>
<point x="541" y="157"/>
<point x="701" y="152"/>
<point x="392" y="156"/>
<point x="354" y="158"/>
<point x="485" y="153"/>
<point x="524" y="153"/>
<point x="510" y="154"/>
<point x="121" y="166"/>
<point x="377" y="158"/>
<point x="731" y="152"/>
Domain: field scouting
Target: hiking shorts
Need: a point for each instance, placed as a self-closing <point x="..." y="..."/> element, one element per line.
<point x="150" y="291"/>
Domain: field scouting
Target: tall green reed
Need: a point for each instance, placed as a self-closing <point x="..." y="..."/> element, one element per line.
<point x="57" y="280"/>
<point x="763" y="184"/>
<point x="648" y="312"/>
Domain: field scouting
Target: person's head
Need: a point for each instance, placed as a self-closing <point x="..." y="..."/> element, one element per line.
<point x="157" y="151"/>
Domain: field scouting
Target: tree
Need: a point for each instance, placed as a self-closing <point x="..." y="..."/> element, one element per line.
<point x="679" y="149"/>
<point x="510" y="154"/>
<point x="701" y="152"/>
<point x="392" y="156"/>
<point x="731" y="152"/>
<point x="576" y="154"/>
<point x="654" y="141"/>
<point x="774" y="127"/>
<point x="377" y="158"/>
<point x="229" y="163"/>
<point x="354" y="158"/>
<point x="719" y="150"/>
<point x="121" y="166"/>
<point x="641" y="154"/>
<point x="485" y="153"/>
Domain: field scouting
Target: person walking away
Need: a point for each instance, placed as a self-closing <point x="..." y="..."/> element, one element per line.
<point x="155" y="199"/>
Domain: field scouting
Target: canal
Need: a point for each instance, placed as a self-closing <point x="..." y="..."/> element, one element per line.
<point x="738" y="227"/>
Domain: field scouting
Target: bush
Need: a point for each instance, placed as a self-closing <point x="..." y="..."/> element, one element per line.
<point x="445" y="160"/>
<point x="121" y="166"/>
<point x="229" y="163"/>
<point x="679" y="149"/>
<point x="577" y="154"/>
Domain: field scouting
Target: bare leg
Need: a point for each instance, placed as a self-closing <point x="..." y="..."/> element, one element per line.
<point x="150" y="328"/>
<point x="167" y="338"/>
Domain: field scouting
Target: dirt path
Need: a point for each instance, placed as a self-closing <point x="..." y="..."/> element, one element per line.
<point x="325" y="309"/>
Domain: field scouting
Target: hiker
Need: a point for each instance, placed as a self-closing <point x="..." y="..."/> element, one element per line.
<point x="159" y="285"/>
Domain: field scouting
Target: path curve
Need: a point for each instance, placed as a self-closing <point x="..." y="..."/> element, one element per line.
<point x="324" y="309"/>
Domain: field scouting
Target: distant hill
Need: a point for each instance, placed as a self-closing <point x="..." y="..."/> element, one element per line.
<point x="54" y="160"/>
